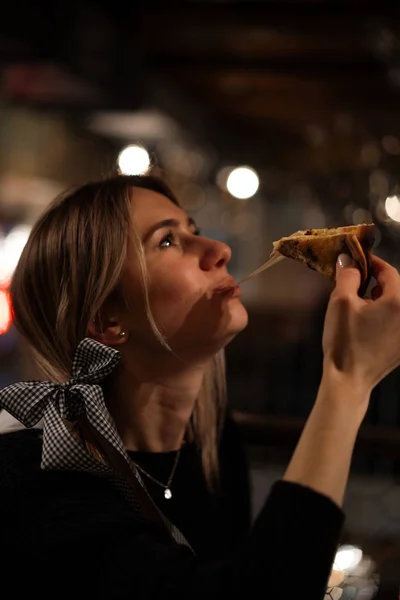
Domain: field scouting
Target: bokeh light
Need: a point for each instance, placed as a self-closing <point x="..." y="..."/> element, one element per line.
<point x="347" y="557"/>
<point x="11" y="248"/>
<point x="5" y="311"/>
<point x="370" y="154"/>
<point x="134" y="160"/>
<point x="378" y="183"/>
<point x="222" y="177"/>
<point x="361" y="215"/>
<point x="391" y="144"/>
<point x="242" y="183"/>
<point x="392" y="207"/>
<point x="192" y="197"/>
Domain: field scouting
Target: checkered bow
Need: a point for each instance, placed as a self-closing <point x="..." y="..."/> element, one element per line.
<point x="30" y="401"/>
<point x="55" y="403"/>
<point x="27" y="401"/>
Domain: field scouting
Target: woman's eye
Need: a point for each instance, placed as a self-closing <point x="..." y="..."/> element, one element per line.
<point x="171" y="239"/>
<point x="168" y="240"/>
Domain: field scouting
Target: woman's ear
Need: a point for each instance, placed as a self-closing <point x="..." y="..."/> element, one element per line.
<point x="109" y="331"/>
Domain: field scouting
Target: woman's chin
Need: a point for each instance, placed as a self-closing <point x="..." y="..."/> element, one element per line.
<point x="238" y="320"/>
<point x="208" y="337"/>
<point x="239" y="316"/>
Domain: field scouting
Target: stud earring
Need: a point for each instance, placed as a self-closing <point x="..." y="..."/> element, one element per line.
<point x="122" y="334"/>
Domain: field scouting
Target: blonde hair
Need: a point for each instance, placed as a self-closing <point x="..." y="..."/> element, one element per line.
<point x="71" y="264"/>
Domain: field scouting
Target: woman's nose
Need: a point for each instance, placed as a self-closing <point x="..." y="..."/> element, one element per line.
<point x="215" y="255"/>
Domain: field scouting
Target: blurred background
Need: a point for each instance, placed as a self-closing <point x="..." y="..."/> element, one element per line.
<point x="266" y="118"/>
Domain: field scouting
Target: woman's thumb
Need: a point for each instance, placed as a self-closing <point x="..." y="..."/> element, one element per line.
<point x="348" y="278"/>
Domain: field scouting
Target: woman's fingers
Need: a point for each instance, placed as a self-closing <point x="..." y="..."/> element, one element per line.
<point x="348" y="276"/>
<point x="386" y="275"/>
<point x="376" y="292"/>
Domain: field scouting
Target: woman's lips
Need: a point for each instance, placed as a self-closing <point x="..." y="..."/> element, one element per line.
<point x="236" y="292"/>
<point x="231" y="291"/>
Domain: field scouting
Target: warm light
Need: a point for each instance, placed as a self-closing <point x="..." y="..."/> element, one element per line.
<point x="134" y="160"/>
<point x="361" y="215"/>
<point x="222" y="177"/>
<point x="5" y="312"/>
<point x="392" y="207"/>
<point x="10" y="251"/>
<point x="242" y="183"/>
<point x="347" y="557"/>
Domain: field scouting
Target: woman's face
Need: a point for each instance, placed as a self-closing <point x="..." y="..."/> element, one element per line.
<point x="184" y="272"/>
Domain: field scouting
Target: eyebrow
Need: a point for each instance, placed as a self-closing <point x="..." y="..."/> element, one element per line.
<point x="167" y="223"/>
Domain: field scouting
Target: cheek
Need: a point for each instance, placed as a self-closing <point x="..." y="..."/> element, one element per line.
<point x="172" y="298"/>
<point x="174" y="284"/>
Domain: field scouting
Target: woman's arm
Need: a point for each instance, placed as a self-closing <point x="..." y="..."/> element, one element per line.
<point x="323" y="454"/>
<point x="74" y="534"/>
<point x="361" y="344"/>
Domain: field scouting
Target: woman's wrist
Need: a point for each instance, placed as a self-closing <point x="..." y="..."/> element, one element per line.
<point x="345" y="392"/>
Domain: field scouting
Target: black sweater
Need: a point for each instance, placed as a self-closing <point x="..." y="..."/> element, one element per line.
<point x="71" y="535"/>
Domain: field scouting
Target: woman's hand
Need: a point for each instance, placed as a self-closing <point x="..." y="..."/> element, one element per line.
<point x="361" y="345"/>
<point x="361" y="340"/>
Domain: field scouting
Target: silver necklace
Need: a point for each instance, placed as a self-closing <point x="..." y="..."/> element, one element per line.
<point x="167" y="486"/>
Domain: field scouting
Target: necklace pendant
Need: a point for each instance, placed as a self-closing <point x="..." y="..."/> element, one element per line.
<point x="167" y="493"/>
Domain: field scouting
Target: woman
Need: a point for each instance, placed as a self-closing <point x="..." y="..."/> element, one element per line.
<point x="128" y="308"/>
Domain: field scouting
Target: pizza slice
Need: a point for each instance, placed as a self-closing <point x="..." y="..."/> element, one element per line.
<point x="320" y="248"/>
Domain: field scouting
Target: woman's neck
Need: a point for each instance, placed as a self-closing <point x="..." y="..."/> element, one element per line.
<point x="152" y="413"/>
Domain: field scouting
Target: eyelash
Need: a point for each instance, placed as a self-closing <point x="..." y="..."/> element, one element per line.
<point x="170" y="236"/>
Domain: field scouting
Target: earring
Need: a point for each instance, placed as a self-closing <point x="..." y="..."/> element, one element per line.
<point x="122" y="334"/>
